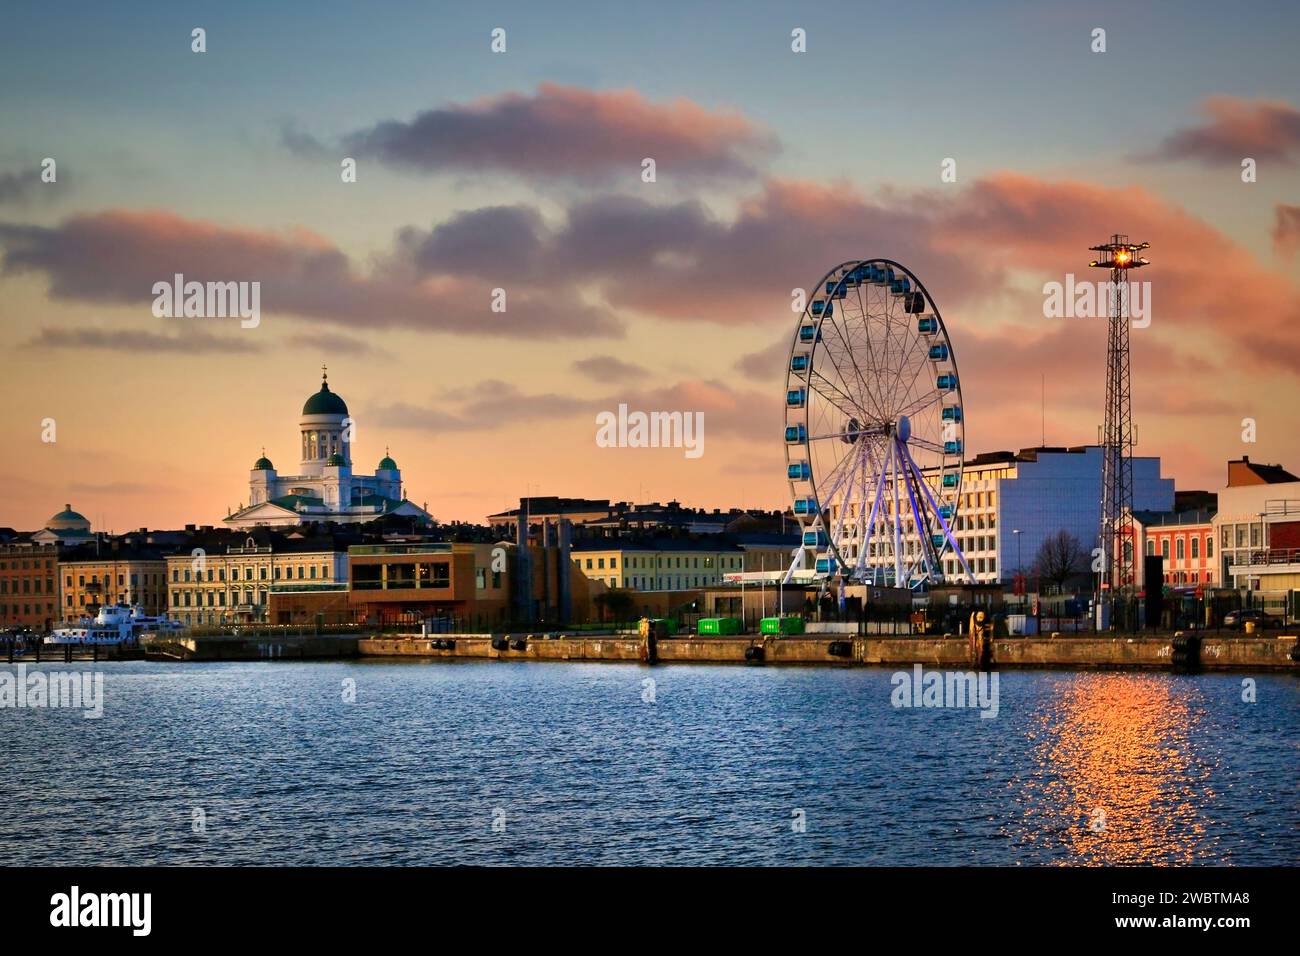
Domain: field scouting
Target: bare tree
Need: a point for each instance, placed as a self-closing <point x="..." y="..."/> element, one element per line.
<point x="1060" y="558"/>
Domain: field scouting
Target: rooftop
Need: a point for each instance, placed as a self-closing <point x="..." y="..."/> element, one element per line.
<point x="1243" y="471"/>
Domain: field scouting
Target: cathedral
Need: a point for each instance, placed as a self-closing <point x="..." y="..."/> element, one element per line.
<point x="325" y="488"/>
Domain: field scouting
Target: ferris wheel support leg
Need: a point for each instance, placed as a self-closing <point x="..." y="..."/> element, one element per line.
<point x="947" y="532"/>
<point x="796" y="564"/>
<point x="895" y="466"/>
<point x="875" y="510"/>
<point x="925" y="543"/>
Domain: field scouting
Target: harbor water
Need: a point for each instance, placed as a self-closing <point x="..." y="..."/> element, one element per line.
<point x="485" y="763"/>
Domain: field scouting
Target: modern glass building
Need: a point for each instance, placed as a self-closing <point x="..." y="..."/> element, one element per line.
<point x="1038" y="492"/>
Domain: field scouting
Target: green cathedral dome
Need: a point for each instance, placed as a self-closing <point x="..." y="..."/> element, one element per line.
<point x="325" y="402"/>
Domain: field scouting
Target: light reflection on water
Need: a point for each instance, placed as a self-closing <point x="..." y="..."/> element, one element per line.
<point x="1121" y="774"/>
<point x="285" y="772"/>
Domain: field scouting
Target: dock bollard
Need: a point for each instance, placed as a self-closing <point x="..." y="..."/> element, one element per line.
<point x="1185" y="652"/>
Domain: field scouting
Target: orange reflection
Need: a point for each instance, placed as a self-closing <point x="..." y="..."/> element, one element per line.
<point x="1119" y="778"/>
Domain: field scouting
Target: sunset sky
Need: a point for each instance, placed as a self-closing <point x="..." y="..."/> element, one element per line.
<point x="522" y="170"/>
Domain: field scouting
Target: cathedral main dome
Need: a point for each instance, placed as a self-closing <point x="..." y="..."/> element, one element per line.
<point x="325" y="402"/>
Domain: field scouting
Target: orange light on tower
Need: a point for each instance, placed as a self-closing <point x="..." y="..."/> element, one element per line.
<point x="1120" y="254"/>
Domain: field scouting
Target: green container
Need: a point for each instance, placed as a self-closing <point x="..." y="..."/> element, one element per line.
<point x="663" y="626"/>
<point x="720" y="626"/>
<point x="781" y="625"/>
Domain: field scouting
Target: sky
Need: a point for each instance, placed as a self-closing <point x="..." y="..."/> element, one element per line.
<point x="522" y="170"/>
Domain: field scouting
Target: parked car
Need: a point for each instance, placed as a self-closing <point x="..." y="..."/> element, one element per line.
<point x="1237" y="619"/>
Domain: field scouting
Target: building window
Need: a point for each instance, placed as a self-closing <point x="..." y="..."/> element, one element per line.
<point x="1151" y="546"/>
<point x="1196" y="548"/>
<point x="1179" y="549"/>
<point x="1164" y="548"/>
<point x="1209" y="547"/>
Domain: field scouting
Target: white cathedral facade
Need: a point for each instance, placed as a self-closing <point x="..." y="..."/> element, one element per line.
<point x="325" y="489"/>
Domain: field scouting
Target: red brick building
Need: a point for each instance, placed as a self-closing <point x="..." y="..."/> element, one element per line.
<point x="1185" y="542"/>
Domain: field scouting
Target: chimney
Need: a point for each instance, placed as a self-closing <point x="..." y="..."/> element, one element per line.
<point x="550" y="591"/>
<point x="564" y="572"/>
<point x="523" y="577"/>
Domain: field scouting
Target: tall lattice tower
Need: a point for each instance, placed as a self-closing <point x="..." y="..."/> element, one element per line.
<point x="1116" y="592"/>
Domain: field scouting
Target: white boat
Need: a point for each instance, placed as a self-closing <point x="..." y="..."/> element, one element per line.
<point x="114" y="624"/>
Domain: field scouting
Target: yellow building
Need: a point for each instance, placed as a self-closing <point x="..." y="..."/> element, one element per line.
<point x="665" y="565"/>
<point x="111" y="572"/>
<point x="225" y="578"/>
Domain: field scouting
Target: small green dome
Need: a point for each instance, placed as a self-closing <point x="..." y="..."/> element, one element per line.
<point x="387" y="464"/>
<point x="263" y="464"/>
<point x="325" y="402"/>
<point x="335" y="460"/>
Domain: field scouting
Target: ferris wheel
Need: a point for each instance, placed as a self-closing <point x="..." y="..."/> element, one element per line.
<point x="874" y="430"/>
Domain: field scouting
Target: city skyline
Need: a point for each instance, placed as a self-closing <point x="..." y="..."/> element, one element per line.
<point x="523" y="171"/>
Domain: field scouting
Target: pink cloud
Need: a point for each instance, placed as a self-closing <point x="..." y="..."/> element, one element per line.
<point x="1235" y="129"/>
<point x="563" y="132"/>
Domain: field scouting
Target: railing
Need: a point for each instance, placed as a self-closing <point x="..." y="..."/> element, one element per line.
<point x="1272" y="556"/>
<point x="265" y="630"/>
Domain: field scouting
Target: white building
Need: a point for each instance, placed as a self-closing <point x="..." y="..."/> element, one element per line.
<point x="325" y="488"/>
<point x="1258" y="527"/>
<point x="1038" y="492"/>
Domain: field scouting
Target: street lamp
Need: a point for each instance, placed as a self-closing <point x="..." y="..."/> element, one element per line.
<point x="1020" y="565"/>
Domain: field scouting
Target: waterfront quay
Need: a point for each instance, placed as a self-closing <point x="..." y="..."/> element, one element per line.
<point x="1179" y="652"/>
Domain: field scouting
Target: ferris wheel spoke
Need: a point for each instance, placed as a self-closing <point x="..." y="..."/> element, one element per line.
<point x="848" y="348"/>
<point x="926" y="444"/>
<point x="922" y="403"/>
<point x="836" y="396"/>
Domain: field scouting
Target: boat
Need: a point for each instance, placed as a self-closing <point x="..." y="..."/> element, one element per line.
<point x="114" y="624"/>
